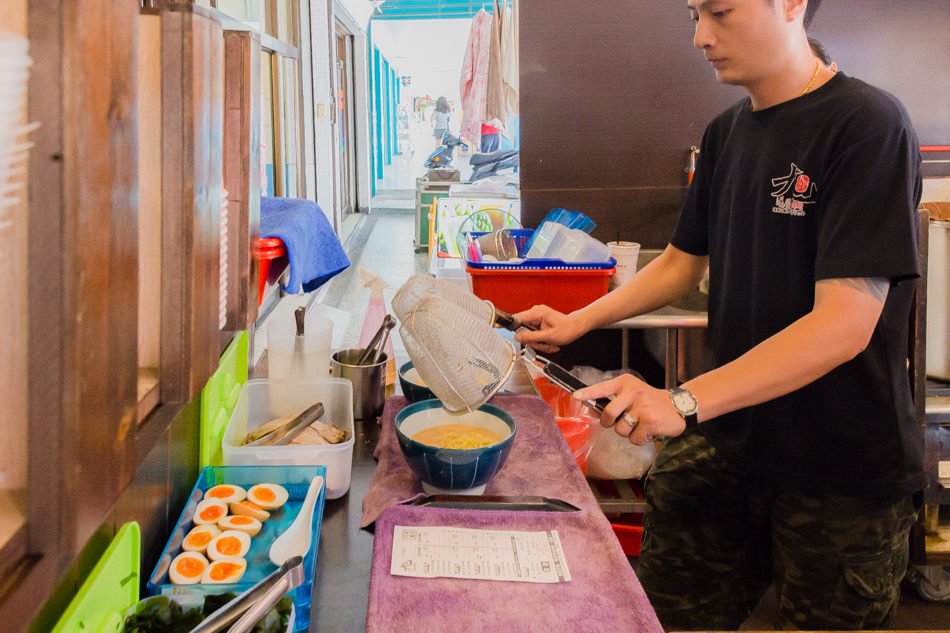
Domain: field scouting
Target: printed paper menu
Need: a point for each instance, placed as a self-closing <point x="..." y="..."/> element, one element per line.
<point x="447" y="552"/>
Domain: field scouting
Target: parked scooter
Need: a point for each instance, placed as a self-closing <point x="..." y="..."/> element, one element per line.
<point x="488" y="165"/>
<point x="442" y="157"/>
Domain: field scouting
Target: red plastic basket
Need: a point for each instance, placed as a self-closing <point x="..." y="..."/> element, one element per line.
<point x="268" y="249"/>
<point x="517" y="290"/>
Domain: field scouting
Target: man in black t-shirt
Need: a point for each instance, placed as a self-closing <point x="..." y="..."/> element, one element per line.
<point x="795" y="459"/>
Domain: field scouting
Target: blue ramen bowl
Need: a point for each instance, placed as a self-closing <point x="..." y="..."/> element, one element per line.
<point x="409" y="380"/>
<point x="454" y="471"/>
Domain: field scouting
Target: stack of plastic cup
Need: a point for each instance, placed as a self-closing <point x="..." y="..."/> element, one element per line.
<point x="15" y="65"/>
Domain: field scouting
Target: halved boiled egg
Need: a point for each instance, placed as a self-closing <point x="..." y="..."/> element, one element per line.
<point x="224" y="571"/>
<point x="229" y="544"/>
<point x="248" y="525"/>
<point x="209" y="511"/>
<point x="227" y="493"/>
<point x="188" y="568"/>
<point x="248" y="509"/>
<point x="198" y="539"/>
<point x="268" y="496"/>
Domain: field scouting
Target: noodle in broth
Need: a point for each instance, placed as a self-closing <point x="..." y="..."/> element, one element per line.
<point x="457" y="436"/>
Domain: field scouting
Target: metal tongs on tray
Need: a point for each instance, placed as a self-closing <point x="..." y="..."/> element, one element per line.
<point x="285" y="433"/>
<point x="252" y="605"/>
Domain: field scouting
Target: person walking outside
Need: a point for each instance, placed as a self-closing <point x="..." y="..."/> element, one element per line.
<point x="440" y="120"/>
<point x="797" y="459"/>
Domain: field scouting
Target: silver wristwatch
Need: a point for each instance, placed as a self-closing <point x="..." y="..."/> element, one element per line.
<point x="685" y="404"/>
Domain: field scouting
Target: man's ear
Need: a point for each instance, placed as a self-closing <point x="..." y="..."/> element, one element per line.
<point x="794" y="9"/>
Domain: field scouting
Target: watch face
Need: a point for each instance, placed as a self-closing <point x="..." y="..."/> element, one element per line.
<point x="684" y="402"/>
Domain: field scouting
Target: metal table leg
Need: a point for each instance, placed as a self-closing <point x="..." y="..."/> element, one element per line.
<point x="672" y="352"/>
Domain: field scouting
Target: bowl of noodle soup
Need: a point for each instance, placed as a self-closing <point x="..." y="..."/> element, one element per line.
<point x="454" y="454"/>
<point x="413" y="386"/>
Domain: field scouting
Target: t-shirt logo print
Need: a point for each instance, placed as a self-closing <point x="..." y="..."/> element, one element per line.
<point x="801" y="188"/>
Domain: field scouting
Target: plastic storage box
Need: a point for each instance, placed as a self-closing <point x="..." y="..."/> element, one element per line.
<point x="515" y="287"/>
<point x="263" y="400"/>
<point x="296" y="479"/>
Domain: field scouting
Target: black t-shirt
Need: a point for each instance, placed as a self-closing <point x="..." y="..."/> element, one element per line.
<point x="823" y="186"/>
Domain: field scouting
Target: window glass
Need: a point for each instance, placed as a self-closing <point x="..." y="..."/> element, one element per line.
<point x="14" y="346"/>
<point x="289" y="125"/>
<point x="280" y="20"/>
<point x="247" y="11"/>
<point x="267" y="124"/>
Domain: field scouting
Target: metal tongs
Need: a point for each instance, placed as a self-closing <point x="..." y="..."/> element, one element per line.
<point x="377" y="345"/>
<point x="285" y="433"/>
<point x="252" y="605"/>
<point x="561" y="377"/>
<point x="565" y="380"/>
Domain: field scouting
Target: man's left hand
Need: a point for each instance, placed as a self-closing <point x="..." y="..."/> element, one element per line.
<point x="638" y="411"/>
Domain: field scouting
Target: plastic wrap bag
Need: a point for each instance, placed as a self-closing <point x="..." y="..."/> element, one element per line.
<point x="600" y="452"/>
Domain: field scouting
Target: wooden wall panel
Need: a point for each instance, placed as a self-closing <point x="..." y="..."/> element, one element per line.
<point x="100" y="261"/>
<point x="242" y="174"/>
<point x="192" y="146"/>
<point x="614" y="94"/>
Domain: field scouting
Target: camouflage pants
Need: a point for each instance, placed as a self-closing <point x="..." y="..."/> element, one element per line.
<point x="715" y="538"/>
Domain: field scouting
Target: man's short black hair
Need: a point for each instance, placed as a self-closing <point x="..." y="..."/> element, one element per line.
<point x="819" y="51"/>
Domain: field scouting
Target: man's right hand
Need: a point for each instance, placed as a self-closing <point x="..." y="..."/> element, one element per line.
<point x="554" y="328"/>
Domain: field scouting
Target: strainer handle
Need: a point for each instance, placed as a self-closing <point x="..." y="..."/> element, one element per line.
<point x="562" y="378"/>
<point x="511" y="322"/>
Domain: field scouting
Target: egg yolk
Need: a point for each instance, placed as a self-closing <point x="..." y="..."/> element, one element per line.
<point x="190" y="567"/>
<point x="212" y="513"/>
<point x="265" y="494"/>
<point x="221" y="493"/>
<point x="200" y="539"/>
<point x="241" y="520"/>
<point x="224" y="570"/>
<point x="253" y="506"/>
<point x="229" y="546"/>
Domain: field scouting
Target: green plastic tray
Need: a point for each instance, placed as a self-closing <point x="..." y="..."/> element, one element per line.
<point x="218" y="399"/>
<point x="110" y="590"/>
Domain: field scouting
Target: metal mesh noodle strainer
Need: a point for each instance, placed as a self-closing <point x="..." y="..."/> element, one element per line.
<point x="420" y="286"/>
<point x="459" y="355"/>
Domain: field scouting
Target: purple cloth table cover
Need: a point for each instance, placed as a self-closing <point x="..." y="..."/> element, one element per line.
<point x="602" y="595"/>
<point x="540" y="462"/>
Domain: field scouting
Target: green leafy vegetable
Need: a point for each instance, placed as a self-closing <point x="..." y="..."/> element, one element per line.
<point x="163" y="618"/>
<point x="170" y="617"/>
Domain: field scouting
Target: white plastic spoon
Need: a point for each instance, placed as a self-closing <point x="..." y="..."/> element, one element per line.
<point x="295" y="541"/>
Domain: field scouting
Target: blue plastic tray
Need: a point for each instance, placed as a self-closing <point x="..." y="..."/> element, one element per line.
<point x="296" y="479"/>
<point x="522" y="237"/>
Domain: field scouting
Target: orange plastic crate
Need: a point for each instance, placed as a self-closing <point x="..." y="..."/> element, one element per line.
<point x="517" y="290"/>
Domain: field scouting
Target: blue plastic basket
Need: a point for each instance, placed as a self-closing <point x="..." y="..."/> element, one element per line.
<point x="296" y="479"/>
<point x="522" y="239"/>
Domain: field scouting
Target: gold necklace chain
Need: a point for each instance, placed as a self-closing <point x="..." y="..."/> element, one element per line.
<point x="813" y="78"/>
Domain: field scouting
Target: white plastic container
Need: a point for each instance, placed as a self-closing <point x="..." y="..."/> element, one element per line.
<point x="264" y="400"/>
<point x="300" y="360"/>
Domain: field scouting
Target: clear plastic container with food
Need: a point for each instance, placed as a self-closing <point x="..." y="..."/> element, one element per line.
<point x="264" y="401"/>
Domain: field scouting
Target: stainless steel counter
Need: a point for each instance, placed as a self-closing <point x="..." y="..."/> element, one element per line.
<point x="672" y="320"/>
